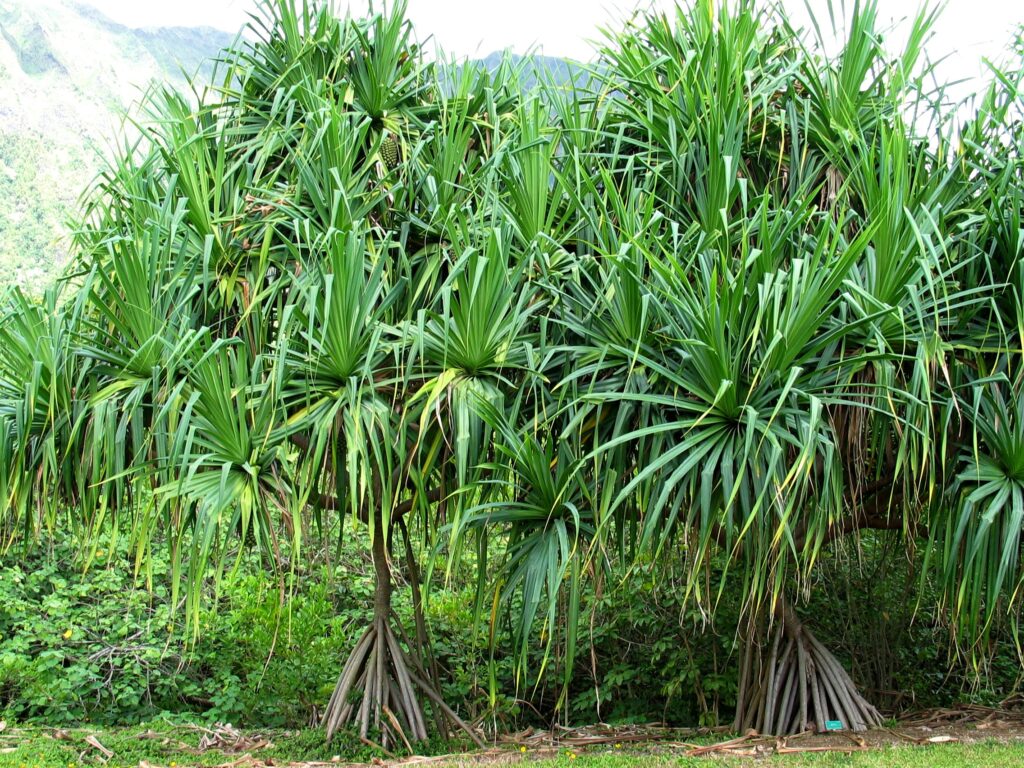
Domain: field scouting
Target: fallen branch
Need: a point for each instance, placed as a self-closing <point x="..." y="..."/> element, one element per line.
<point x="723" y="746"/>
<point x="93" y="742"/>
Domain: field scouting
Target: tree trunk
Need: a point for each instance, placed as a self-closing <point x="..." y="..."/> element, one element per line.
<point x="380" y="686"/>
<point x="799" y="686"/>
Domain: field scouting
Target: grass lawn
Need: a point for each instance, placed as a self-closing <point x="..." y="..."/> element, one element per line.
<point x="178" y="746"/>
<point x="937" y="756"/>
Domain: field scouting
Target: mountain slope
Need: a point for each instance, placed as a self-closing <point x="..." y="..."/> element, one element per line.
<point x="550" y="69"/>
<point x="66" y="75"/>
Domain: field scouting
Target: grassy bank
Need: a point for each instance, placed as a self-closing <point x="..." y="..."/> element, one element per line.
<point x="179" y="746"/>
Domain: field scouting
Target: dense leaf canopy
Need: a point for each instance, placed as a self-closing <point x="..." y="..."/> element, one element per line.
<point x="730" y="295"/>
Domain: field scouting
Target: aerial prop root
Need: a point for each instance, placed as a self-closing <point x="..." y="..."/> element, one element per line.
<point x="380" y="687"/>
<point x="802" y="686"/>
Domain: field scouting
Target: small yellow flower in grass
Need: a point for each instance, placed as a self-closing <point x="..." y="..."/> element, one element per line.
<point x="67" y="634"/>
<point x="173" y="764"/>
<point x="522" y="749"/>
<point x="572" y="755"/>
<point x="618" y="746"/>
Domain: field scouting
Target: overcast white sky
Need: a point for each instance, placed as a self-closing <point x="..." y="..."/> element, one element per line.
<point x="967" y="31"/>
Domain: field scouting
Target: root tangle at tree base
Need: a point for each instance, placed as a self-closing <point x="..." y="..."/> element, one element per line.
<point x="802" y="686"/>
<point x="380" y="688"/>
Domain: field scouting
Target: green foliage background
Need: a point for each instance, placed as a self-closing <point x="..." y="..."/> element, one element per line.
<point x="263" y="662"/>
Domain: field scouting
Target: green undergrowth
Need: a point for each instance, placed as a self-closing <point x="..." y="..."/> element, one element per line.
<point x="86" y="642"/>
<point x="97" y="647"/>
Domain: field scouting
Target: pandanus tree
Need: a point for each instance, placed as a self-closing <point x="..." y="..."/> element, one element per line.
<point x="790" y="318"/>
<point x="278" y="319"/>
<point x="724" y="301"/>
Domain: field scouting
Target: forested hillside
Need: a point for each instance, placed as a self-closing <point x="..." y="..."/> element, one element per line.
<point x="67" y="76"/>
<point x="67" y="73"/>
